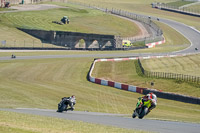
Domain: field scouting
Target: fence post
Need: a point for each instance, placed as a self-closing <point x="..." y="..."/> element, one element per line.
<point x="33" y="43"/>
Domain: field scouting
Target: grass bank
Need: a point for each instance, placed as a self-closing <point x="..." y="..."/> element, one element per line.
<point x="81" y="20"/>
<point x="42" y="83"/>
<point x="23" y="123"/>
<point x="187" y="65"/>
<point x="179" y="3"/>
<point x="125" y="72"/>
<point x="144" y="7"/>
<point x="174" y="41"/>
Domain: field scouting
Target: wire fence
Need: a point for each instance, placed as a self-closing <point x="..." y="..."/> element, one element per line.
<point x="26" y="44"/>
<point x="180" y="77"/>
<point x="155" y="32"/>
<point x="155" y="35"/>
<point x="183" y="10"/>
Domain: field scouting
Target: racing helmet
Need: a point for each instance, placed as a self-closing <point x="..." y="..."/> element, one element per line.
<point x="153" y="96"/>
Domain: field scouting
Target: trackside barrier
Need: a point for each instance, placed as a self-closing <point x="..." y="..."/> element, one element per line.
<point x="136" y="89"/>
<point x="158" y="33"/>
<point x="151" y="45"/>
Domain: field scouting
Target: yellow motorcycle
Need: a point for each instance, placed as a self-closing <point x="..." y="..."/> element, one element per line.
<point x="142" y="108"/>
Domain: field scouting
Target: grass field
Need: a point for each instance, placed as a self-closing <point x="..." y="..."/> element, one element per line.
<point x="42" y="83"/>
<point x="144" y="7"/>
<point x="194" y="8"/>
<point x="87" y="20"/>
<point x="174" y="41"/>
<point x="125" y="72"/>
<point x="23" y="123"/>
<point x="81" y="20"/>
<point x="187" y="65"/>
<point x="179" y="3"/>
<point x="188" y="6"/>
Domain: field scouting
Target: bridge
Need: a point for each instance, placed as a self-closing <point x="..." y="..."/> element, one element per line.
<point x="74" y="40"/>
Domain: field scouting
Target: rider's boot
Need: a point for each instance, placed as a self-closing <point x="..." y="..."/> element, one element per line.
<point x="149" y="110"/>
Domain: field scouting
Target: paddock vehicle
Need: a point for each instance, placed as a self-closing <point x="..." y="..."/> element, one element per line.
<point x="126" y="43"/>
<point x="142" y="108"/>
<point x="64" y="103"/>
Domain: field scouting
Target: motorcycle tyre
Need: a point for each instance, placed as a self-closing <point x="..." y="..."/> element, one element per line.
<point x="61" y="109"/>
<point x="143" y="113"/>
<point x="134" y="115"/>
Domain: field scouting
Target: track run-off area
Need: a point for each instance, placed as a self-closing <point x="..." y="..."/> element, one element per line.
<point x="123" y="121"/>
<point x="117" y="120"/>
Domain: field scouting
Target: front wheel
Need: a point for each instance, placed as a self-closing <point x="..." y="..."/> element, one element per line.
<point x="134" y="115"/>
<point x="62" y="108"/>
<point x="143" y="113"/>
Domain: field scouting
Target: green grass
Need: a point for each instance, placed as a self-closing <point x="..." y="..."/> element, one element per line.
<point x="42" y="83"/>
<point x="187" y="65"/>
<point x="125" y="72"/>
<point x="5" y="9"/>
<point x="87" y="20"/>
<point x="23" y="123"/>
<point x="144" y="7"/>
<point x="81" y="20"/>
<point x="179" y="3"/>
<point x="174" y="41"/>
<point x="194" y="8"/>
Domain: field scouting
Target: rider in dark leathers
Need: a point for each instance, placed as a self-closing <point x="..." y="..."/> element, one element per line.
<point x="71" y="101"/>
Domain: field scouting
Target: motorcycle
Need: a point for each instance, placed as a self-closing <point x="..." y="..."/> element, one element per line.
<point x="13" y="56"/>
<point x="62" y="106"/>
<point x="142" y="108"/>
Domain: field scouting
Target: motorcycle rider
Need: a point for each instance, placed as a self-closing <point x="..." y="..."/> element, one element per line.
<point x="153" y="98"/>
<point x="71" y="101"/>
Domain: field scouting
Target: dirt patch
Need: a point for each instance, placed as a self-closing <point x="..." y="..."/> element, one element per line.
<point x="35" y="7"/>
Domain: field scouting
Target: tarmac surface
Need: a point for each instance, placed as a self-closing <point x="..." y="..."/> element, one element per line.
<point x="123" y="121"/>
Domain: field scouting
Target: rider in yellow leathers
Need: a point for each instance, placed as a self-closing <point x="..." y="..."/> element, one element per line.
<point x="152" y="98"/>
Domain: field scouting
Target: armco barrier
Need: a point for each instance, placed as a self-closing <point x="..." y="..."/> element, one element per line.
<point x="132" y="88"/>
<point x="151" y="45"/>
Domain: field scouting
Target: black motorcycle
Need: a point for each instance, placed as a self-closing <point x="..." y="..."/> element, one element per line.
<point x="13" y="56"/>
<point x="62" y="106"/>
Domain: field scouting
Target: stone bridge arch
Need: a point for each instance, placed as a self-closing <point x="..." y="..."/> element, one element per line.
<point x="71" y="39"/>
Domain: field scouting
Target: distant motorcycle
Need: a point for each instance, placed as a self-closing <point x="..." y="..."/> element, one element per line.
<point x="64" y="103"/>
<point x="13" y="56"/>
<point x="142" y="108"/>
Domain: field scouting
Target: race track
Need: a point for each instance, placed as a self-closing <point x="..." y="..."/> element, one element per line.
<point x="116" y="120"/>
